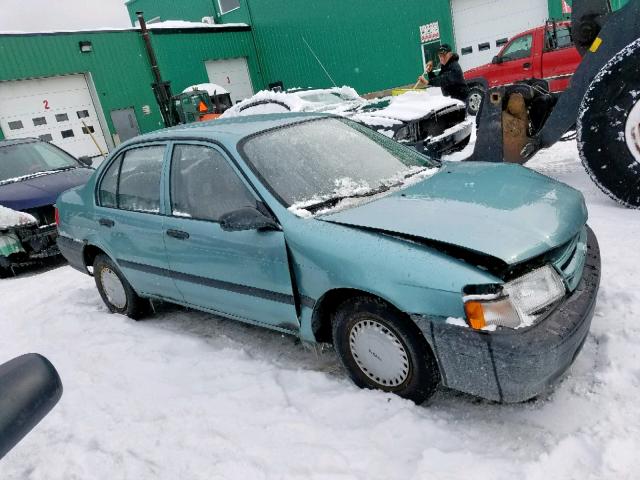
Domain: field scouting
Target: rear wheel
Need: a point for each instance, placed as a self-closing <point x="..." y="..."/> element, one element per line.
<point x="381" y="349"/>
<point x="609" y="127"/>
<point x="474" y="100"/>
<point x="116" y="292"/>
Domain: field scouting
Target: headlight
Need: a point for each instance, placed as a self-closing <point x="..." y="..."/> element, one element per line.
<point x="517" y="302"/>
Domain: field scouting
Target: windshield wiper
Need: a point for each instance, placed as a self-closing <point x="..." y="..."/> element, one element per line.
<point x="330" y="202"/>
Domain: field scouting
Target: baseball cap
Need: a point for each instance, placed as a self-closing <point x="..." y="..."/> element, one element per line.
<point x="444" y="48"/>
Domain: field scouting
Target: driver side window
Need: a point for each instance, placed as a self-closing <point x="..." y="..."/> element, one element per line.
<point x="203" y="184"/>
<point x="518" y="48"/>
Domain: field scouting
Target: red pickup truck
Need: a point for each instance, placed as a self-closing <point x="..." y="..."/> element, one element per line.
<point x="545" y="53"/>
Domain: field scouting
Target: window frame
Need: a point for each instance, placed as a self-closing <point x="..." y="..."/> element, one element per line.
<point x="511" y="42"/>
<point x="122" y="154"/>
<point x="226" y="157"/>
<point x="228" y="11"/>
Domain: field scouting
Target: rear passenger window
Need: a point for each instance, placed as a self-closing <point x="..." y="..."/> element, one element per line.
<point x="109" y="185"/>
<point x="139" y="182"/>
<point x="203" y="184"/>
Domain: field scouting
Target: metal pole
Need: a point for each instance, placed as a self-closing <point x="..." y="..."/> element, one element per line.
<point x="161" y="89"/>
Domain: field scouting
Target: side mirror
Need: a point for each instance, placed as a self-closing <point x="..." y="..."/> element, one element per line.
<point x="247" y="218"/>
<point x="496" y="60"/>
<point x="85" y="160"/>
<point x="29" y="388"/>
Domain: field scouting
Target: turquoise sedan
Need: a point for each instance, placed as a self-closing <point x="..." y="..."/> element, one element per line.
<point x="480" y="277"/>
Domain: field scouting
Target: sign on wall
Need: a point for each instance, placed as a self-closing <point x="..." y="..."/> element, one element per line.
<point x="429" y="32"/>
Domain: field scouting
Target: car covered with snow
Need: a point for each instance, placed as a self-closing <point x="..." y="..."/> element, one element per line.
<point x="479" y="276"/>
<point x="423" y="119"/>
<point x="32" y="175"/>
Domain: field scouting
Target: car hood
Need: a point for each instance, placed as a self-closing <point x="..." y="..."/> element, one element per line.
<point x="411" y="106"/>
<point x="42" y="190"/>
<point x="501" y="210"/>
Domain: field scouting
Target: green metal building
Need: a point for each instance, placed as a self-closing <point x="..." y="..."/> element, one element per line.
<point x="50" y="83"/>
<point x="88" y="90"/>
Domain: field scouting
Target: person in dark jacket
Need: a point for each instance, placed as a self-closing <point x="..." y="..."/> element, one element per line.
<point x="450" y="79"/>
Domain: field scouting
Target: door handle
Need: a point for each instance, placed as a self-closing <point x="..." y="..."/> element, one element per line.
<point x="179" y="234"/>
<point x="106" y="222"/>
<point x="526" y="65"/>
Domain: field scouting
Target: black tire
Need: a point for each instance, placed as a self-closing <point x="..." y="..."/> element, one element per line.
<point x="418" y="376"/>
<point x="131" y="305"/>
<point x="474" y="99"/>
<point x="605" y="149"/>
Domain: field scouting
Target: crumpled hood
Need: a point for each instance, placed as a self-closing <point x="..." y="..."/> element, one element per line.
<point x="502" y="210"/>
<point x="42" y="190"/>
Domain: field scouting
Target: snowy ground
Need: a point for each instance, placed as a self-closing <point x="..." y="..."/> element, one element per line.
<point x="185" y="395"/>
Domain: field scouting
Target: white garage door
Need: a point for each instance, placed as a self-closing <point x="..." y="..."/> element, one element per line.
<point x="232" y="74"/>
<point x="54" y="110"/>
<point x="483" y="26"/>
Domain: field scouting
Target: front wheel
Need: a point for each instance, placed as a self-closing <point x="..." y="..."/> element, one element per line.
<point x="474" y="100"/>
<point x="381" y="349"/>
<point x="609" y="127"/>
<point x="115" y="290"/>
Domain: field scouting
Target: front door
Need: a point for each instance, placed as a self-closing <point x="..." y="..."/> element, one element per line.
<point x="129" y="221"/>
<point x="242" y="274"/>
<point x="517" y="61"/>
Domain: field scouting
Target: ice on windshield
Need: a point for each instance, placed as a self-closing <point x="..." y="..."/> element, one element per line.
<point x="320" y="159"/>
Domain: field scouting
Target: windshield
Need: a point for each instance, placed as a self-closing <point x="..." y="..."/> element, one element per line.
<point x="317" y="160"/>
<point x="27" y="159"/>
<point x="322" y="97"/>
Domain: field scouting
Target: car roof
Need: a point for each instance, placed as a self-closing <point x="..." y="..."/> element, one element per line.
<point x="227" y="130"/>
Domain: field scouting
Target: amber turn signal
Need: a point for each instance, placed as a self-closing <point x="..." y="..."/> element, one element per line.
<point x="475" y="314"/>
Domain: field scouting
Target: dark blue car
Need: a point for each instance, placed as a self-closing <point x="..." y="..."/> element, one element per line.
<point x="32" y="175"/>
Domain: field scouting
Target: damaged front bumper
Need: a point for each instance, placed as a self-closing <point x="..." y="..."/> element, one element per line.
<point x="515" y="365"/>
<point x="26" y="245"/>
<point x="451" y="140"/>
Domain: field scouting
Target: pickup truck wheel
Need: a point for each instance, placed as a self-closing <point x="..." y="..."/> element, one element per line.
<point x="609" y="127"/>
<point x="381" y="349"/>
<point x="474" y="100"/>
<point x="116" y="292"/>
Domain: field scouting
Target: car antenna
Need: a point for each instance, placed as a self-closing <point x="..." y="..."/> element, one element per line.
<point x="319" y="62"/>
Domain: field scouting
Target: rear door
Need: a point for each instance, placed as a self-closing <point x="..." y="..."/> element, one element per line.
<point x="128" y="216"/>
<point x="241" y="274"/>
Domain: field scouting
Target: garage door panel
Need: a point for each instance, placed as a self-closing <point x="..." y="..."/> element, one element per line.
<point x="53" y="109"/>
<point x="232" y="74"/>
<point x="479" y="22"/>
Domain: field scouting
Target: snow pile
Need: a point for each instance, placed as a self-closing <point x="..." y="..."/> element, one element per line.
<point x="11" y="218"/>
<point x="414" y="105"/>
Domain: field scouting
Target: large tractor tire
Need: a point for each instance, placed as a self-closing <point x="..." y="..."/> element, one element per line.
<point x="609" y="127"/>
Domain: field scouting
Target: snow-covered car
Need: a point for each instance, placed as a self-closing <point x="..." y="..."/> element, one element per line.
<point x="423" y="119"/>
<point x="32" y="175"/>
<point x="479" y="276"/>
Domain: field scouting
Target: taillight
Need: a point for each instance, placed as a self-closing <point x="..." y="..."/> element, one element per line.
<point x="57" y="216"/>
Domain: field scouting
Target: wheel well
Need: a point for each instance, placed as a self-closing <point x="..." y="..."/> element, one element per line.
<point x="327" y="305"/>
<point x="90" y="253"/>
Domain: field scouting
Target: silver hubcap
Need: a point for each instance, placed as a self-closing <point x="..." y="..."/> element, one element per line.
<point x="474" y="101"/>
<point x="113" y="288"/>
<point x="379" y="353"/>
<point x="632" y="131"/>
